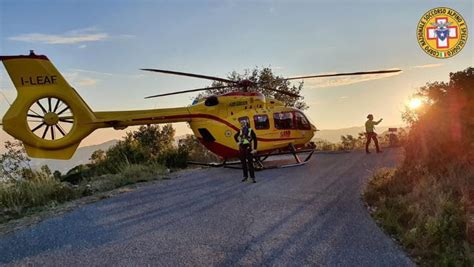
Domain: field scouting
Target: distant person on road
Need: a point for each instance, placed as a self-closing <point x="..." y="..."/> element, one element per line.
<point x="370" y="133"/>
<point x="245" y="138"/>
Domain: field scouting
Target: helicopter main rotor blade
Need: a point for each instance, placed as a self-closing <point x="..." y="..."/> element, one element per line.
<point x="189" y="91"/>
<point x="342" y="74"/>
<point x="280" y="91"/>
<point x="191" y="75"/>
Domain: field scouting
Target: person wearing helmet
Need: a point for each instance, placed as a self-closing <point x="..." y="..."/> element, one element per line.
<point x="370" y="132"/>
<point x="245" y="138"/>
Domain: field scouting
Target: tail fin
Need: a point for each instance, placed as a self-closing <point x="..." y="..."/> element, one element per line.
<point x="48" y="115"/>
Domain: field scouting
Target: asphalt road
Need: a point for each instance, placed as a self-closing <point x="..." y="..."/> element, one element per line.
<point x="307" y="215"/>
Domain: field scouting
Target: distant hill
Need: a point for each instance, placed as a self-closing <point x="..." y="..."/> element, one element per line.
<point x="334" y="136"/>
<point x="81" y="156"/>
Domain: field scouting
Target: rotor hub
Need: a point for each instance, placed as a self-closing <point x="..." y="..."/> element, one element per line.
<point x="51" y="118"/>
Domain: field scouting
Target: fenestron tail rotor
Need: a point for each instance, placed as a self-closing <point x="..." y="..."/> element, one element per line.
<point x="245" y="84"/>
<point x="50" y="118"/>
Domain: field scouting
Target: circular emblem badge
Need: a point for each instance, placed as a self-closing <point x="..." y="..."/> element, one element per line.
<point x="442" y="32"/>
<point x="228" y="133"/>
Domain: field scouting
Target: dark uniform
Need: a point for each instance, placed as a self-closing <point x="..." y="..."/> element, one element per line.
<point x="245" y="137"/>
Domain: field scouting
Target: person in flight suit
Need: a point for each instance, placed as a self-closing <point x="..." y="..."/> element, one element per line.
<point x="369" y="129"/>
<point x="245" y="138"/>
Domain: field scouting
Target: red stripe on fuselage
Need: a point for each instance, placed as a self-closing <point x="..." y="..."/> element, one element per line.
<point x="220" y="149"/>
<point x="215" y="118"/>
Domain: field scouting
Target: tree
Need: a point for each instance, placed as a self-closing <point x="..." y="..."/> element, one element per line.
<point x="348" y="142"/>
<point x="57" y="175"/>
<point x="153" y="139"/>
<point x="76" y="174"/>
<point x="266" y="76"/>
<point x="14" y="163"/>
<point x="195" y="150"/>
<point x="442" y="131"/>
<point x="46" y="170"/>
<point x="324" y="145"/>
<point x="361" y="139"/>
<point x="147" y="144"/>
<point x="126" y="151"/>
<point x="97" y="156"/>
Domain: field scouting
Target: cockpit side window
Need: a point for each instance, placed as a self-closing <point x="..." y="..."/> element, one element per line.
<point x="302" y="122"/>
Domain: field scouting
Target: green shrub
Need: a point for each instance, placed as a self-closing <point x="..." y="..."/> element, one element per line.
<point x="323" y="145"/>
<point x="174" y="158"/>
<point x="77" y="174"/>
<point x="18" y="196"/>
<point x="424" y="211"/>
<point x="138" y="173"/>
<point x="196" y="150"/>
<point x="129" y="174"/>
<point x="98" y="184"/>
<point x="421" y="203"/>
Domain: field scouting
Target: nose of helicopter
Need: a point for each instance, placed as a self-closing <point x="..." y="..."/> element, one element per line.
<point x="313" y="128"/>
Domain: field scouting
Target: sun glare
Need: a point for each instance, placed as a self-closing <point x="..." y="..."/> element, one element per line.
<point x="415" y="103"/>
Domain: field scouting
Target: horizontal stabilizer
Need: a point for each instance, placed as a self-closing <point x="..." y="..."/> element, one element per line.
<point x="63" y="153"/>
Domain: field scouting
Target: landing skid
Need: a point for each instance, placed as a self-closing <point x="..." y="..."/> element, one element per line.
<point x="259" y="160"/>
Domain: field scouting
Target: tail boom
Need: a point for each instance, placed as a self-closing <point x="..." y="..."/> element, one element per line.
<point x="123" y="119"/>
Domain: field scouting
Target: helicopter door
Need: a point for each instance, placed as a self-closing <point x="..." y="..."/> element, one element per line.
<point x="206" y="135"/>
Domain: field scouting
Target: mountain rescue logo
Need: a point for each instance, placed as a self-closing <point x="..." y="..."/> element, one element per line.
<point x="442" y="32"/>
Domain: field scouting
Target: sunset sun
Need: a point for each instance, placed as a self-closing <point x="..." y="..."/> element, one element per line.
<point x="414" y="103"/>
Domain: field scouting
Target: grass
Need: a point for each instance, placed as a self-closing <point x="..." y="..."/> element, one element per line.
<point x="24" y="197"/>
<point x="130" y="174"/>
<point x="16" y="198"/>
<point x="424" y="212"/>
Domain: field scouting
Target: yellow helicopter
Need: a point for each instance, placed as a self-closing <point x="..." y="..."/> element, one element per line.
<point x="51" y="119"/>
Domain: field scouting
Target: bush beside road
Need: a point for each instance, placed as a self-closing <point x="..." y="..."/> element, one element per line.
<point x="423" y="202"/>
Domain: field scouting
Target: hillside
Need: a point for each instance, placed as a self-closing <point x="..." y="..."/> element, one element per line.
<point x="81" y="156"/>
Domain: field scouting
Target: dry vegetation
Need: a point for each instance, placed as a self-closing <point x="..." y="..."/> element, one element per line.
<point x="143" y="155"/>
<point x="25" y="196"/>
<point x="422" y="203"/>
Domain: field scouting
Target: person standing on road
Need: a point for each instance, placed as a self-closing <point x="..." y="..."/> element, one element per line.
<point x="370" y="133"/>
<point x="245" y="138"/>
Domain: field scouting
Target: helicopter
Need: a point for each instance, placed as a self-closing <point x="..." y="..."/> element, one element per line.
<point x="51" y="119"/>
